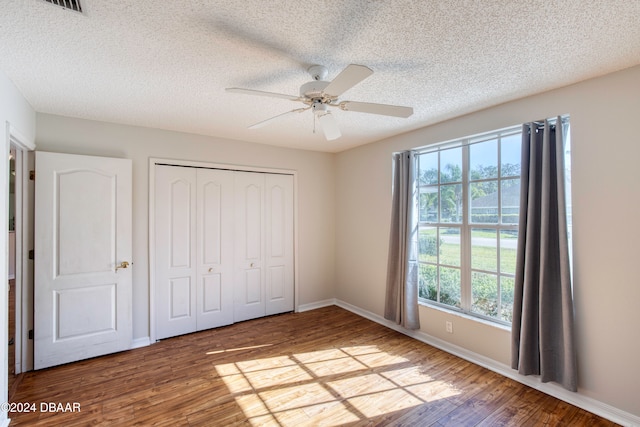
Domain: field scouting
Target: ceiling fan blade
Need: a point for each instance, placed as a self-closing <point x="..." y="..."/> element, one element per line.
<point x="329" y="126"/>
<point x="262" y="93"/>
<point x="383" y="109"/>
<point x="265" y="122"/>
<point x="348" y="78"/>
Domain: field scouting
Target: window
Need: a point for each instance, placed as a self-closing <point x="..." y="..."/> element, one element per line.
<point x="468" y="224"/>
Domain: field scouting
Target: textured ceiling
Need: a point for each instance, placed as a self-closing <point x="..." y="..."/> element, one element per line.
<point x="165" y="64"/>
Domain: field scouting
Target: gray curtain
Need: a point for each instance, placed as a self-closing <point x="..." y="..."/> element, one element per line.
<point x="543" y="325"/>
<point x="401" y="304"/>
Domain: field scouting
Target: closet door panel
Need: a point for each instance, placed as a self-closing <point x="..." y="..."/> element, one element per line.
<point x="249" y="288"/>
<point x="175" y="257"/>
<point x="180" y="298"/>
<point x="279" y="283"/>
<point x="214" y="294"/>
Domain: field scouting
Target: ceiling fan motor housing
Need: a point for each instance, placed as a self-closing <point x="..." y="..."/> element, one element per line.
<point x="313" y="89"/>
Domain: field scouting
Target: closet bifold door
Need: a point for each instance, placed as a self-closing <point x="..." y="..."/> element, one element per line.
<point x="214" y="277"/>
<point x="279" y="243"/>
<point x="175" y="255"/>
<point x="249" y="289"/>
<point x="194" y="249"/>
<point x="264" y="245"/>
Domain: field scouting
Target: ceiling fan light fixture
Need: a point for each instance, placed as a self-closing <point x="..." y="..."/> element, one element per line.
<point x="319" y="109"/>
<point x="329" y="126"/>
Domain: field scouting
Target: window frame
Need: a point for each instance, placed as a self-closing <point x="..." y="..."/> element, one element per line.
<point x="466" y="225"/>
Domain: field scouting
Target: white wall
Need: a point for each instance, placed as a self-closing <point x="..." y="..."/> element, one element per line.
<point x="606" y="228"/>
<point x="315" y="203"/>
<point x="16" y="111"/>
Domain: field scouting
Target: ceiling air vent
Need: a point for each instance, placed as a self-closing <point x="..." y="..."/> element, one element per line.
<point x="67" y="4"/>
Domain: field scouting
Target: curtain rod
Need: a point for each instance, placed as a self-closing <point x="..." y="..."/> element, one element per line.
<point x="553" y="120"/>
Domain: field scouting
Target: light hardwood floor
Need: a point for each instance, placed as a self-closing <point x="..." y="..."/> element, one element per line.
<point x="322" y="367"/>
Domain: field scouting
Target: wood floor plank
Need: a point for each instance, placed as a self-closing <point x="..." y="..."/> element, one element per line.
<point x="515" y="411"/>
<point x="323" y="367"/>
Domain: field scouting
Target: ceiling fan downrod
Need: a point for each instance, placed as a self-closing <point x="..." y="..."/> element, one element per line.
<point x="318" y="72"/>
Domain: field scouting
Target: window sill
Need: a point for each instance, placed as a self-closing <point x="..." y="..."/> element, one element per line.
<point x="466" y="316"/>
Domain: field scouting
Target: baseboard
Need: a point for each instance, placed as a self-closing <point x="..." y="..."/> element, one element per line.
<point x="317" y="304"/>
<point x="581" y="401"/>
<point x="140" y="342"/>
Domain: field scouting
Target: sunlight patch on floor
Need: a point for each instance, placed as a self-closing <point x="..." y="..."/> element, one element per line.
<point x="321" y="355"/>
<point x="230" y="350"/>
<point x="361" y="385"/>
<point x="338" y="366"/>
<point x="265" y="364"/>
<point x="376" y="404"/>
<point x="330" y="387"/>
<point x="374" y="360"/>
<point x="237" y="383"/>
<point x="277" y="376"/>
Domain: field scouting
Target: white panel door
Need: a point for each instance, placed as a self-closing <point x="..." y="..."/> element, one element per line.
<point x="82" y="293"/>
<point x="175" y="250"/>
<point x="215" y="219"/>
<point x="249" y="290"/>
<point x="279" y="243"/>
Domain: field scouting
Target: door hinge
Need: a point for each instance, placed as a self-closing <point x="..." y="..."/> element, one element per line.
<point x="32" y="175"/>
<point x="30" y="334"/>
<point x="32" y="254"/>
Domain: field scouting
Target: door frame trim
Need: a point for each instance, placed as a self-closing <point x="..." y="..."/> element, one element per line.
<point x="153" y="161"/>
<point x="23" y="346"/>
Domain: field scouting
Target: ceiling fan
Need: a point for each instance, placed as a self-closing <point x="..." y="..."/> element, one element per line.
<point x="319" y="94"/>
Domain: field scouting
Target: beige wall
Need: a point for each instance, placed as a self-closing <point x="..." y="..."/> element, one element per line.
<point x="344" y="206"/>
<point x="606" y="216"/>
<point x="315" y="202"/>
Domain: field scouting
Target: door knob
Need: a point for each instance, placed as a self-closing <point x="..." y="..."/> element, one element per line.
<point x="123" y="264"/>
